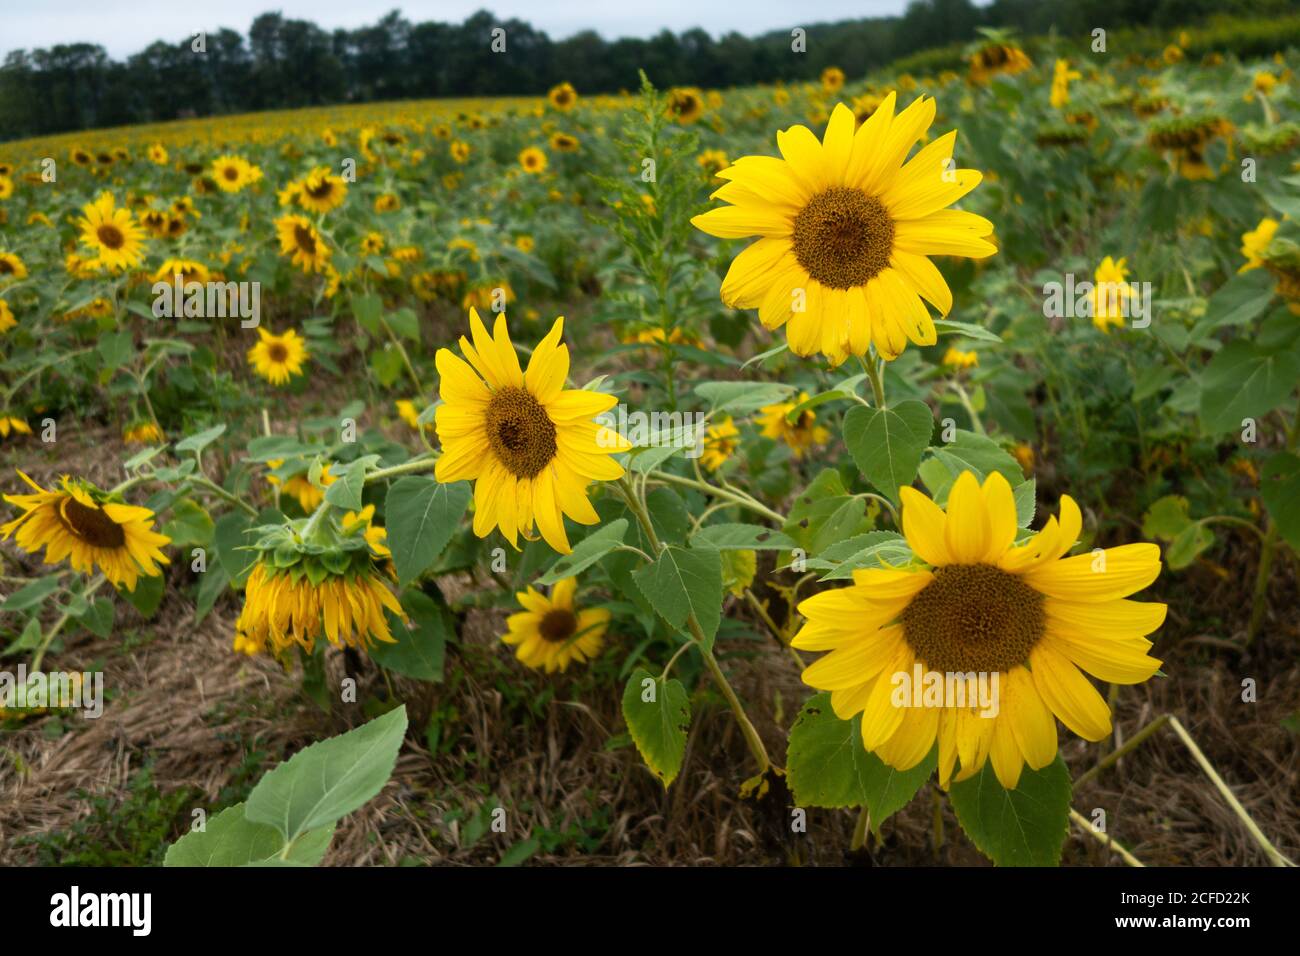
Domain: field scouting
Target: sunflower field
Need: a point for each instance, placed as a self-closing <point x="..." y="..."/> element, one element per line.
<point x="891" y="470"/>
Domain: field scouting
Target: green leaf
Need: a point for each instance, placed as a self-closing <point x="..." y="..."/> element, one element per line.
<point x="1240" y="299"/>
<point x="31" y="594"/>
<point x="743" y="537"/>
<point x="587" y="552"/>
<point x="368" y="309"/>
<point x="201" y="440"/>
<point x="877" y="549"/>
<point x="328" y="780"/>
<point x="742" y="396"/>
<point x="1166" y="518"/>
<point x="345" y="493"/>
<point x="968" y="329"/>
<point x="1026" y="502"/>
<point x="421" y="515"/>
<point x="1026" y="826"/>
<point x="98" y="617"/>
<point x="420" y="650"/>
<point x="231" y="839"/>
<point x="683" y="581"/>
<point x="228" y="538"/>
<point x="147" y="596"/>
<point x="1245" y="381"/>
<point x="887" y="443"/>
<point x="1189" y="543"/>
<point x="116" y="349"/>
<point x="658" y="726"/>
<point x="827" y="766"/>
<point x="1279" y="487"/>
<point x="405" y="323"/>
<point x="976" y="453"/>
<point x="189" y="525"/>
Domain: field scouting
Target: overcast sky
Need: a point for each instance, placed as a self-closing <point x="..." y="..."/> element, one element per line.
<point x="123" y="27"/>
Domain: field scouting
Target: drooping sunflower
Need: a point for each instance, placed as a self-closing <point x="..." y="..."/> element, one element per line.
<point x="846" y="231"/>
<point x="90" y="528"/>
<point x="563" y="97"/>
<point x="322" y="191"/>
<point x="982" y="605"/>
<point x="11" y="267"/>
<point x="143" y="433"/>
<point x="801" y="434"/>
<point x="533" y="160"/>
<point x="552" y="633"/>
<point x="113" y="234"/>
<point x="302" y="243"/>
<point x="277" y="358"/>
<point x="530" y="445"/>
<point x="316" y="580"/>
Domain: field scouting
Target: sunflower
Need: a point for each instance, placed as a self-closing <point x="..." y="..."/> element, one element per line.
<point x="11" y="425"/>
<point x="387" y="203"/>
<point x="233" y="173"/>
<point x="459" y="150"/>
<point x="846" y="229"/>
<point x="801" y="434"/>
<point x="684" y="105"/>
<point x="712" y="161"/>
<point x="832" y="79"/>
<point x="982" y="605"/>
<point x="956" y="358"/>
<point x="563" y="97"/>
<point x="143" y="433"/>
<point x="551" y="633"/>
<point x="6" y="187"/>
<point x="720" y="443"/>
<point x="116" y="238"/>
<point x="157" y="154"/>
<point x="80" y="156"/>
<point x="993" y="59"/>
<point x="533" y="160"/>
<point x="89" y="527"/>
<point x="277" y="358"/>
<point x="300" y="488"/>
<point x="11" y="267"/>
<point x="1061" y="77"/>
<point x="7" y="320"/>
<point x="189" y="270"/>
<point x="320" y="191"/>
<point x="300" y="240"/>
<point x="564" y="142"/>
<point x="1255" y="242"/>
<point x="529" y="444"/>
<point x="1110" y="294"/>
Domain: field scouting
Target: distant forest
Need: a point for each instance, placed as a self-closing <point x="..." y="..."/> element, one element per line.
<point x="284" y="63"/>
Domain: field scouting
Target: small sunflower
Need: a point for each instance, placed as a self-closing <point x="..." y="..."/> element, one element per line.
<point x="233" y="173"/>
<point x="564" y="143"/>
<point x="533" y="160"/>
<point x="302" y="243"/>
<point x="89" y="527"/>
<point x="157" y="154"/>
<point x="846" y="231"/>
<point x="7" y="320"/>
<point x="277" y="358"/>
<point x="720" y="443"/>
<point x="1110" y="294"/>
<point x="684" y="105"/>
<point x="387" y="202"/>
<point x="956" y="358"/>
<point x="117" y="240"/>
<point x="143" y="433"/>
<point x="189" y="270"/>
<point x="551" y="633"/>
<point x="563" y="97"/>
<point x="11" y="267"/>
<point x="530" y="445"/>
<point x="981" y="604"/>
<point x="801" y="434"/>
<point x="832" y="79"/>
<point x="322" y="191"/>
<point x="1255" y="242"/>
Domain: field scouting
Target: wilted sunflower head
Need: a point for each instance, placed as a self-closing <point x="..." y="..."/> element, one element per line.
<point x="89" y="527"/>
<point x="311" y="577"/>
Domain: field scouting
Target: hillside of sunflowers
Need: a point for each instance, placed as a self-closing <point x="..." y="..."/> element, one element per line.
<point x="895" y="469"/>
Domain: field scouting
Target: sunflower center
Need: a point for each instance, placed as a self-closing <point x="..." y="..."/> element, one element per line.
<point x="843" y="237"/>
<point x="6" y="267"/>
<point x="520" y="432"/>
<point x="557" y="625"/>
<point x="93" y="525"/>
<point x="110" y="236"/>
<point x="306" y="242"/>
<point x="276" y="352"/>
<point x="973" y="617"/>
<point x="321" y="190"/>
<point x="231" y="173"/>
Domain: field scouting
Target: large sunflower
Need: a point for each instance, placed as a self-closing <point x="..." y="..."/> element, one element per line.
<point x="79" y="522"/>
<point x="846" y="228"/>
<point x="302" y="243"/>
<point x="530" y="445"/>
<point x="277" y="358"/>
<point x="113" y="234"/>
<point x="982" y="605"/>
<point x="551" y="633"/>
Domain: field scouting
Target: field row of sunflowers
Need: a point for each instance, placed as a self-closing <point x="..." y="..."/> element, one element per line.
<point x="877" y="379"/>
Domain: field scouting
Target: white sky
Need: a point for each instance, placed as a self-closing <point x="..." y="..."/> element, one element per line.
<point x="123" y="28"/>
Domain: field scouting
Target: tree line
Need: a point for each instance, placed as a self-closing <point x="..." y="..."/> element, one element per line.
<point x="285" y="63"/>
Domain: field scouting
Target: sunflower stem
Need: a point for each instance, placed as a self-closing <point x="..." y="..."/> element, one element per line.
<point x="1104" y="838"/>
<point x="54" y="630"/>
<point x="735" y="497"/>
<point x="418" y="463"/>
<point x="860" y="829"/>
